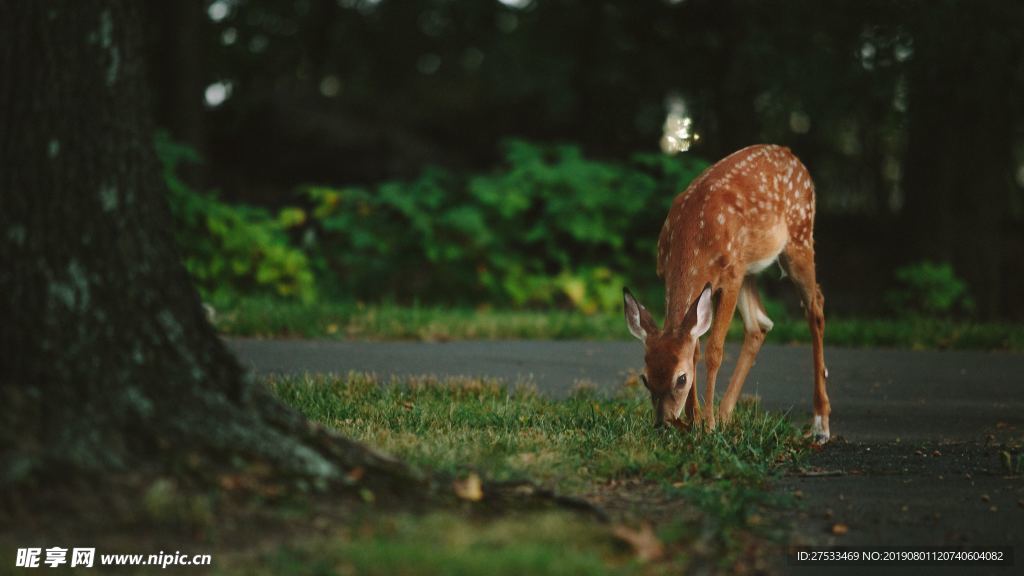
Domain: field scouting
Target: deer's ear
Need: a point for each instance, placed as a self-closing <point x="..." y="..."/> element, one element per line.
<point x="638" y="319"/>
<point x="698" y="317"/>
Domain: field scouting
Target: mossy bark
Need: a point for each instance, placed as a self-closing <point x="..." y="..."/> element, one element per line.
<point x="108" y="362"/>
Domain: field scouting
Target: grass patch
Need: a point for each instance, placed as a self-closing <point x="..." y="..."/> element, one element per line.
<point x="344" y="321"/>
<point x="272" y="318"/>
<point x="544" y="543"/>
<point x="706" y="494"/>
<point x="456" y="426"/>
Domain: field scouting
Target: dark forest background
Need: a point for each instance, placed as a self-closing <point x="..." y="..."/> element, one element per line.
<point x="908" y="113"/>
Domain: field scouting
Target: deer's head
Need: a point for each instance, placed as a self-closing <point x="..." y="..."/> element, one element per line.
<point x="668" y="354"/>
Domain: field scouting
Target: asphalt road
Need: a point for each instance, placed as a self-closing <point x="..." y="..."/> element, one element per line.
<point x="917" y="436"/>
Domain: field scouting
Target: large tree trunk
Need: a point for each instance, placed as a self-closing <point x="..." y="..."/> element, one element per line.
<point x="108" y="361"/>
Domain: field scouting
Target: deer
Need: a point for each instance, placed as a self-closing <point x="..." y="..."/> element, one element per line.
<point x="741" y="215"/>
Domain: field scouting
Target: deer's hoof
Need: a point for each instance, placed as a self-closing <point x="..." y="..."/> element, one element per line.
<point x="819" y="431"/>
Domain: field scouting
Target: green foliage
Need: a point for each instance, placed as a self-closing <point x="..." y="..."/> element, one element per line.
<point x="549" y="227"/>
<point x="929" y="289"/>
<point x="233" y="250"/>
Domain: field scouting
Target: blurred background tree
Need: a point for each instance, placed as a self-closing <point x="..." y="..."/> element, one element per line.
<point x="907" y="113"/>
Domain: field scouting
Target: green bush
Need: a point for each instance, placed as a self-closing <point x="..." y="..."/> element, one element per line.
<point x="548" y="227"/>
<point x="928" y="289"/>
<point x="233" y="250"/>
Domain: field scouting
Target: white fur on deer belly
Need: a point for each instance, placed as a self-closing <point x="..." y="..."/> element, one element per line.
<point x="758" y="265"/>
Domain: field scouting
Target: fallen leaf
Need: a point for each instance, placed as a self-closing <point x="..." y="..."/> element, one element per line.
<point x="643" y="541"/>
<point x="469" y="488"/>
<point x="839" y="529"/>
<point x="356" y="474"/>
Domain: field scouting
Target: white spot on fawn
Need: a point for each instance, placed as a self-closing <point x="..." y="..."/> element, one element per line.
<point x="721" y="218"/>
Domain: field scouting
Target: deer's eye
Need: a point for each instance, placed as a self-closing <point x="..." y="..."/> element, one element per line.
<point x="643" y="378"/>
<point x="681" y="381"/>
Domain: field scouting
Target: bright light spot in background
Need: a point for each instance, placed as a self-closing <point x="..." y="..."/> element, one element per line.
<point x="363" y="6"/>
<point x="867" y="55"/>
<point x="217" y="93"/>
<point x="330" y="86"/>
<point x="1020" y="176"/>
<point x="228" y="36"/>
<point x="519" y="4"/>
<point x="903" y="52"/>
<point x="219" y="10"/>
<point x="799" y="122"/>
<point x="677" y="135"/>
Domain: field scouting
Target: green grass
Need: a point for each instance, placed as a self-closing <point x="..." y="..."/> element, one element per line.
<point x="461" y="425"/>
<point x="270" y="318"/>
<point x="705" y="493"/>
<point x="543" y="543"/>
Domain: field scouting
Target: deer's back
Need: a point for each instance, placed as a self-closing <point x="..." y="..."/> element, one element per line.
<point x="738" y="214"/>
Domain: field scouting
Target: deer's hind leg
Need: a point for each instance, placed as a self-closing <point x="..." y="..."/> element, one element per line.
<point x="799" y="262"/>
<point x="756" y="325"/>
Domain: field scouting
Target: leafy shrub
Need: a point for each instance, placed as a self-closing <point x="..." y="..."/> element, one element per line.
<point x="231" y="250"/>
<point x="547" y="227"/>
<point x="929" y="289"/>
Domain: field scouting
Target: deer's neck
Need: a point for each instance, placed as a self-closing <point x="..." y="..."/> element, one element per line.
<point x="682" y="288"/>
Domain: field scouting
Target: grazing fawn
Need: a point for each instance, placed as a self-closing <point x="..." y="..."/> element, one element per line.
<point x="732" y="222"/>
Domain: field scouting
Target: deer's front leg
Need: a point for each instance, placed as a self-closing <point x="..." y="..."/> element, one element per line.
<point x="716" y="344"/>
<point x="692" y="406"/>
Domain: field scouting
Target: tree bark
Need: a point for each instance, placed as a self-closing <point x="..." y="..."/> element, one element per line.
<point x="108" y="361"/>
